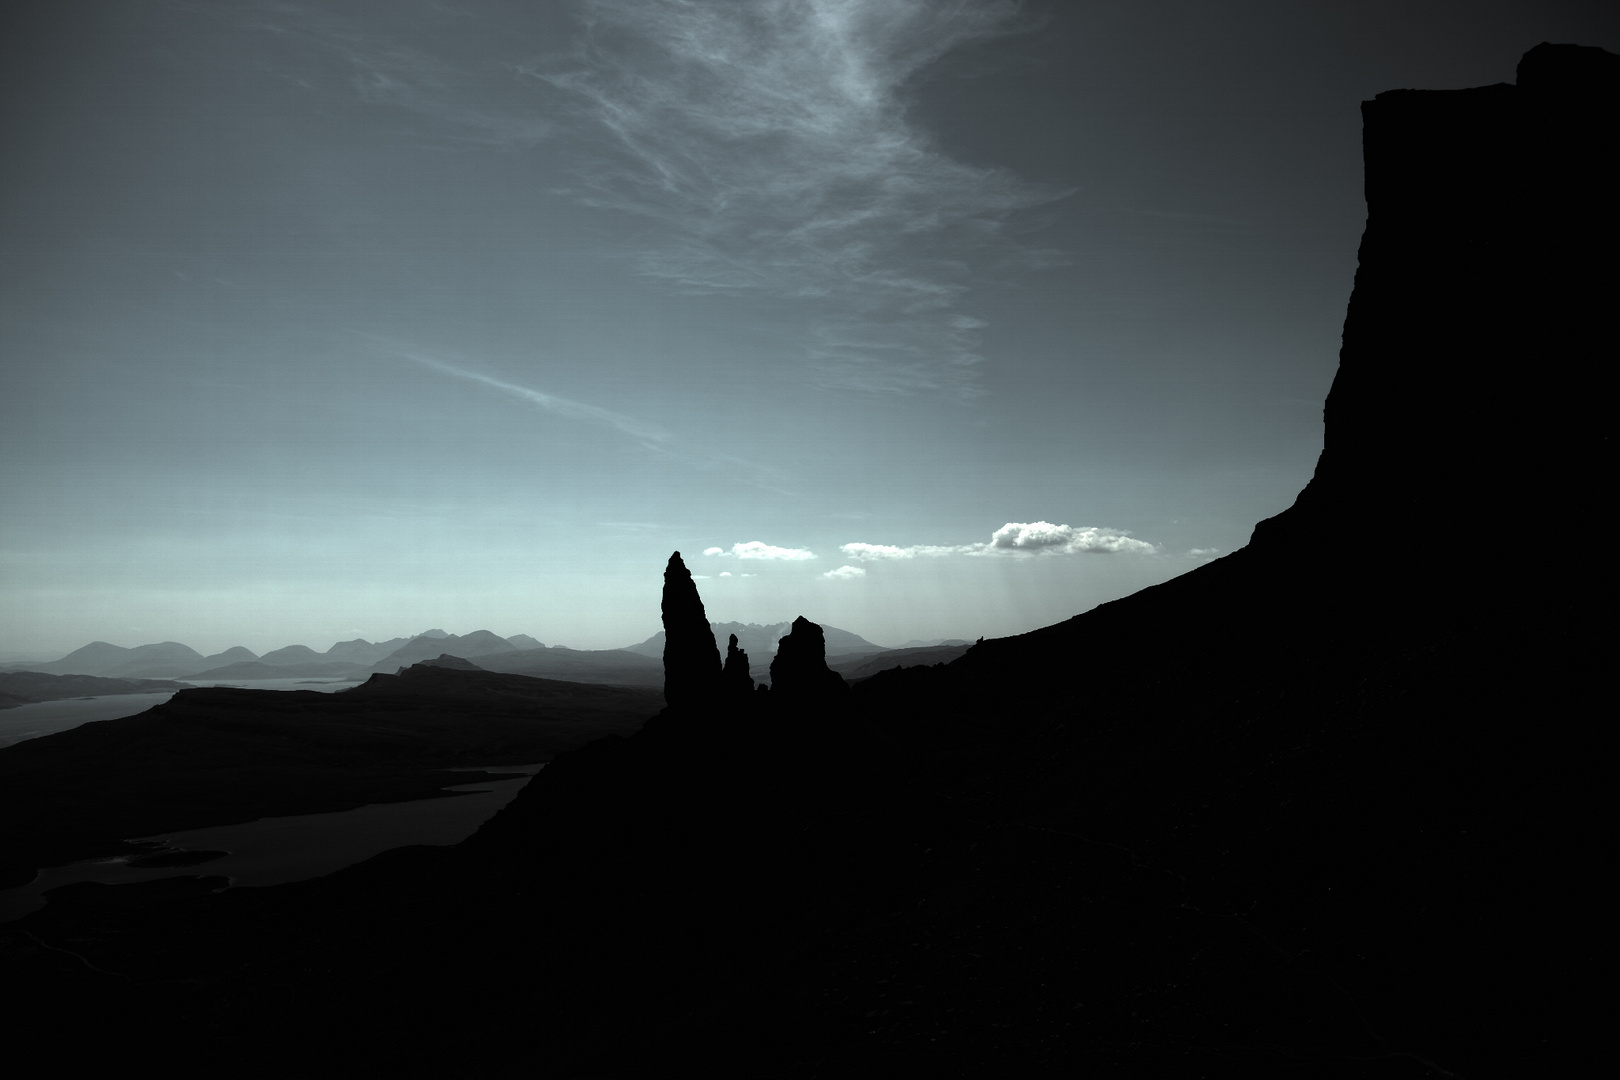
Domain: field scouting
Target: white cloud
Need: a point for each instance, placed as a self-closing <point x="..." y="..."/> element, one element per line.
<point x="1016" y="538"/>
<point x="889" y="551"/>
<point x="771" y="140"/>
<point x="725" y="573"/>
<point x="756" y="549"/>
<point x="1035" y="537"/>
<point x="874" y="551"/>
<point x="845" y="573"/>
<point x="1203" y="553"/>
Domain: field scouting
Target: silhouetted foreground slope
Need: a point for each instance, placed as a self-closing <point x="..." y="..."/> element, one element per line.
<point x="1325" y="807"/>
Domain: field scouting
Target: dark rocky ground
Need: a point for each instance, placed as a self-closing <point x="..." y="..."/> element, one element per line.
<point x="1329" y="806"/>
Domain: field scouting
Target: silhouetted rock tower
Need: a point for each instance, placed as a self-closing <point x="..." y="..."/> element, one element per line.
<point x="738" y="683"/>
<point x="691" y="659"/>
<point x="799" y="673"/>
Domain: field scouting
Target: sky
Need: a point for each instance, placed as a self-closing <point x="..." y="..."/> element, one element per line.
<point x="920" y="318"/>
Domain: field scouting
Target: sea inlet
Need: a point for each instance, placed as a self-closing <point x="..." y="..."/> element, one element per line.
<point x="276" y="850"/>
<point x="48" y="717"/>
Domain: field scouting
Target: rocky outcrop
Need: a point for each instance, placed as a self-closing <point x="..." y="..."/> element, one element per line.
<point x="691" y="659"/>
<point x="799" y="672"/>
<point x="738" y="682"/>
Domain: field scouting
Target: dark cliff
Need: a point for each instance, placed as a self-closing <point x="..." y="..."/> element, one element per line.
<point x="1364" y="738"/>
<point x="1482" y="308"/>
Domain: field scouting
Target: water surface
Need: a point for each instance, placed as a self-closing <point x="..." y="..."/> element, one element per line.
<point x="47" y="717"/>
<point x="277" y="850"/>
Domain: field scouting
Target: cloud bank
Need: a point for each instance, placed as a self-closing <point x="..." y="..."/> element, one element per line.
<point x="770" y="142"/>
<point x="1016" y="538"/>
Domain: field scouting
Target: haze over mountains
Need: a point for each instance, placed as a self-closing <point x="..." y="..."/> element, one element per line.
<point x="635" y="665"/>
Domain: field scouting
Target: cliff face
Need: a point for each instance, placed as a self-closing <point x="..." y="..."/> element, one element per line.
<point x="1464" y="409"/>
<point x="1366" y="728"/>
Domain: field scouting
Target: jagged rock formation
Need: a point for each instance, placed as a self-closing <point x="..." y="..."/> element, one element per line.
<point x="799" y="672"/>
<point x="691" y="659"/>
<point x="737" y="680"/>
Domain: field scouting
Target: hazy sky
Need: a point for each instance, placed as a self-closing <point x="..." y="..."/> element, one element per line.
<point x="925" y="318"/>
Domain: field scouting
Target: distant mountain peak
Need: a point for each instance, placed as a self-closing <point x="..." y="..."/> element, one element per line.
<point x="760" y="640"/>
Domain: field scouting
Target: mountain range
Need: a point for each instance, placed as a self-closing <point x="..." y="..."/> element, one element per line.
<point x="171" y="659"/>
<point x="354" y="658"/>
<point x="761" y="640"/>
<point x="636" y="665"/>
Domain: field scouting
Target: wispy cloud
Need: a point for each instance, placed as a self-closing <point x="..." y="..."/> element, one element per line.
<point x="756" y="549"/>
<point x="1016" y="538"/>
<point x="770" y="141"/>
<point x="469" y="105"/>
<point x="650" y="435"/>
<point x="766" y="146"/>
<point x="845" y="573"/>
